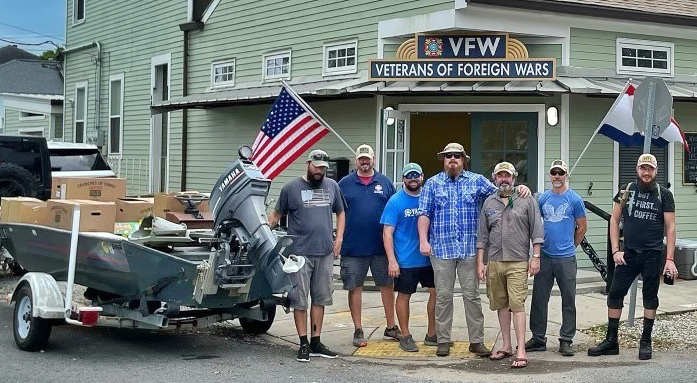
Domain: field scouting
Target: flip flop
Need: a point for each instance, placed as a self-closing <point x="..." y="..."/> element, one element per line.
<point x="500" y="354"/>
<point x="516" y="360"/>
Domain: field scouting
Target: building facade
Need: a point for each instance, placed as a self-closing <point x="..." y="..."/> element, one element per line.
<point x="171" y="91"/>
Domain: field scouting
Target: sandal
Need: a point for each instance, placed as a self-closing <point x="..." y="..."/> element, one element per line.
<point x="500" y="354"/>
<point x="518" y="360"/>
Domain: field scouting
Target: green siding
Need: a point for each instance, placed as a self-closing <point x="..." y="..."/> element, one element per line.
<point x="597" y="49"/>
<point x="685" y="195"/>
<point x="13" y="124"/>
<point x="130" y="36"/>
<point x="545" y="51"/>
<point x="262" y="27"/>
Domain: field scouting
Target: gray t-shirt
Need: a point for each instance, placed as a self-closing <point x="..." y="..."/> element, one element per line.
<point x="309" y="214"/>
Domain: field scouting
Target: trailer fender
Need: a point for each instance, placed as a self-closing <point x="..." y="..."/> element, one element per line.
<point x="47" y="298"/>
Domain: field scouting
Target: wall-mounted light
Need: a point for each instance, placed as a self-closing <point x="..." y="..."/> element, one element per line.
<point x="552" y="116"/>
<point x="389" y="117"/>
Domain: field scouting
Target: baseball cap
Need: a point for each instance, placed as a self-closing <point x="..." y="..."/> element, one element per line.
<point x="647" y="159"/>
<point x="559" y="164"/>
<point x="318" y="158"/>
<point x="365" y="150"/>
<point x="505" y="167"/>
<point x="412" y="167"/>
<point x="453" y="147"/>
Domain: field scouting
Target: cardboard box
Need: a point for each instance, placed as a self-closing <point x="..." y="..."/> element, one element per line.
<point x="132" y="209"/>
<point x="205" y="220"/>
<point x="23" y="210"/>
<point x="168" y="203"/>
<point x="95" y="189"/>
<point x="94" y="215"/>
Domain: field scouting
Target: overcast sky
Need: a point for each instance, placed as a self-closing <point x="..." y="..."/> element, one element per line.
<point x="32" y="21"/>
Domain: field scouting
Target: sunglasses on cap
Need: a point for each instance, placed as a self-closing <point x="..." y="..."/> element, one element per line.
<point x="456" y="156"/>
<point x="412" y="175"/>
<point x="320" y="157"/>
<point x="556" y="172"/>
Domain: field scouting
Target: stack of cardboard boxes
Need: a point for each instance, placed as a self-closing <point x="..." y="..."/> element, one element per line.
<point x="103" y="207"/>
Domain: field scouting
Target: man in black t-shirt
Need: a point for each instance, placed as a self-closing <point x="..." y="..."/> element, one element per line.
<point x="649" y="212"/>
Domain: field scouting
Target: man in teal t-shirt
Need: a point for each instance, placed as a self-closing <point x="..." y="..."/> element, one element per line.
<point x="406" y="264"/>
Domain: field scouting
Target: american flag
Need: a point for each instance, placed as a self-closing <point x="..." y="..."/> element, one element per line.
<point x="289" y="130"/>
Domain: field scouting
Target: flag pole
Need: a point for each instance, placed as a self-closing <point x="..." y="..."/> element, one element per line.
<point x="302" y="102"/>
<point x="595" y="133"/>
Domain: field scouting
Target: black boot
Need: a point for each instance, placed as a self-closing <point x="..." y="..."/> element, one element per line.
<point x="644" y="350"/>
<point x="609" y="346"/>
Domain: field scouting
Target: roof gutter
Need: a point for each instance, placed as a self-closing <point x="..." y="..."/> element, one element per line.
<point x="97" y="97"/>
<point x="592" y="10"/>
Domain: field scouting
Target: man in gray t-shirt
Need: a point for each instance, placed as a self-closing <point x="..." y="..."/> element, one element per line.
<point x="309" y="202"/>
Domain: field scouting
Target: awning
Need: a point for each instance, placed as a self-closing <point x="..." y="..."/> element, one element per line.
<point x="319" y="88"/>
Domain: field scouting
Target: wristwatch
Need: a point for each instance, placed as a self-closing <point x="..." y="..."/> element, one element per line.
<point x="536" y="255"/>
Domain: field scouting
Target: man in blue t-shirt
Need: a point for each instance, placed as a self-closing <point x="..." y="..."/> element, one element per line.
<point x="406" y="264"/>
<point x="564" y="217"/>
<point x="366" y="193"/>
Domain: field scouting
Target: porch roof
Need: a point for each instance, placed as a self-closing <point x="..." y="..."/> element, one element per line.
<point x="570" y="81"/>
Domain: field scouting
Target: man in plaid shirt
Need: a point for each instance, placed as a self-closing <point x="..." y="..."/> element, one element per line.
<point x="449" y="213"/>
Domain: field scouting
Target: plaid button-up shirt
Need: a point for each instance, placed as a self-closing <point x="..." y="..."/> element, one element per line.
<point x="453" y="208"/>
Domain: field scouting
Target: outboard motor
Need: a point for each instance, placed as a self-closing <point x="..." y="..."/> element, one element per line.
<point x="238" y="206"/>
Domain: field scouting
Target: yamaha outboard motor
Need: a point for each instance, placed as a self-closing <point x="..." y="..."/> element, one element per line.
<point x="238" y="206"/>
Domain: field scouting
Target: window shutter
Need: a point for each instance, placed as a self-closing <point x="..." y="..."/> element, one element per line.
<point x="629" y="156"/>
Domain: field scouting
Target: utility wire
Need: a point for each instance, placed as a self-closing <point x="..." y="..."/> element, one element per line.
<point x="29" y="30"/>
<point x="29" y="44"/>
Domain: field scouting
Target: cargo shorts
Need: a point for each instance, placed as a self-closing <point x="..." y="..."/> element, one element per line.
<point x="315" y="279"/>
<point x="507" y="285"/>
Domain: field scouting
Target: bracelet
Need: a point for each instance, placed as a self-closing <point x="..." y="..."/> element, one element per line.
<point x="670" y="259"/>
<point x="616" y="251"/>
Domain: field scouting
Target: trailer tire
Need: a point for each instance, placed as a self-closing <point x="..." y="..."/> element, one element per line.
<point x="31" y="333"/>
<point x="17" y="269"/>
<point x="16" y="181"/>
<point x="257" y="327"/>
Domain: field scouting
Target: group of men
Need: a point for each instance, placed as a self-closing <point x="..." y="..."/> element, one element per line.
<point x="461" y="224"/>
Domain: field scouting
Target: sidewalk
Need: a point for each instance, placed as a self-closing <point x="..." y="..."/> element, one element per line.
<point x="338" y="329"/>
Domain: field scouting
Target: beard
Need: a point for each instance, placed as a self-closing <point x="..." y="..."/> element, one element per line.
<point x="558" y="184"/>
<point x="315" y="179"/>
<point x="646" y="186"/>
<point x="413" y="187"/>
<point x="505" y="189"/>
<point x="453" y="171"/>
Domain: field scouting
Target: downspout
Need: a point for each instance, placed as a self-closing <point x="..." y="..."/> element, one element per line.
<point x="185" y="111"/>
<point x="98" y="78"/>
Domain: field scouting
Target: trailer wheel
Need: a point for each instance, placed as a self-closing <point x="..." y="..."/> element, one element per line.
<point x="31" y="333"/>
<point x="17" y="269"/>
<point x="16" y="181"/>
<point x="256" y="327"/>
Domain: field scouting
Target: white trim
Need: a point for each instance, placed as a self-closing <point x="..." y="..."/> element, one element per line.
<point x="564" y="133"/>
<point x="160" y="60"/>
<point x="648" y="45"/>
<point x="519" y="108"/>
<point x="223" y="63"/>
<point x="615" y="167"/>
<point x="80" y="85"/>
<point x="163" y="59"/>
<point x="209" y="11"/>
<point x="113" y="78"/>
<point x="36" y="117"/>
<point x="671" y="165"/>
<point x="190" y="10"/>
<point x="276" y="55"/>
<point x="346" y="69"/>
<point x="84" y="12"/>
<point x="379" y="106"/>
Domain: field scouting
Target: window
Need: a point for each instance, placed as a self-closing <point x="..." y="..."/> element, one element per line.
<point x="340" y="58"/>
<point x="80" y="111"/>
<point x="23" y="116"/>
<point x="58" y="128"/>
<point x="38" y="132"/>
<point x="644" y="57"/>
<point x="277" y="66"/>
<point x="628" y="159"/>
<point x="223" y="74"/>
<point x="115" y="113"/>
<point x="78" y="11"/>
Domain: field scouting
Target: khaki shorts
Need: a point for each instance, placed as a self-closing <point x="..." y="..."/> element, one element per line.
<point x="507" y="285"/>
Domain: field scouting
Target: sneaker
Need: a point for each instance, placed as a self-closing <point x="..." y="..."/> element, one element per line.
<point x="535" y="345"/>
<point x="359" y="339"/>
<point x="407" y="344"/>
<point x="443" y="349"/>
<point x="644" y="350"/>
<point x="321" y="350"/>
<point x="479" y="349"/>
<point x="605" y="347"/>
<point x="565" y="348"/>
<point x="304" y="353"/>
<point x="392" y="333"/>
<point x="431" y="340"/>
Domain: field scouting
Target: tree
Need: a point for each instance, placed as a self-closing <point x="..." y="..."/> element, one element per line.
<point x="51" y="54"/>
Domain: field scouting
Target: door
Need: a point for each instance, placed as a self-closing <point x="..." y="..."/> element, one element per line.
<point x="395" y="144"/>
<point x="159" y="135"/>
<point x="511" y="137"/>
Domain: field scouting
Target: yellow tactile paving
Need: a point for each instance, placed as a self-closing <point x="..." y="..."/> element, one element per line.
<point x="387" y="348"/>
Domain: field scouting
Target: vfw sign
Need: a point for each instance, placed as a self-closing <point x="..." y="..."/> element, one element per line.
<point x="484" y="57"/>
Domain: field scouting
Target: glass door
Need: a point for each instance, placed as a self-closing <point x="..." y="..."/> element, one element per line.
<point x="395" y="144"/>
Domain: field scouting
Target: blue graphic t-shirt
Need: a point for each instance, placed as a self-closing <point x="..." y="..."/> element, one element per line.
<point x="559" y="213"/>
<point x="402" y="213"/>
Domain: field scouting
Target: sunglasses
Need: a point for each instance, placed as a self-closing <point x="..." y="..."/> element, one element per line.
<point x="557" y="172"/>
<point x="412" y="175"/>
<point x="320" y="157"/>
<point x="456" y="156"/>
